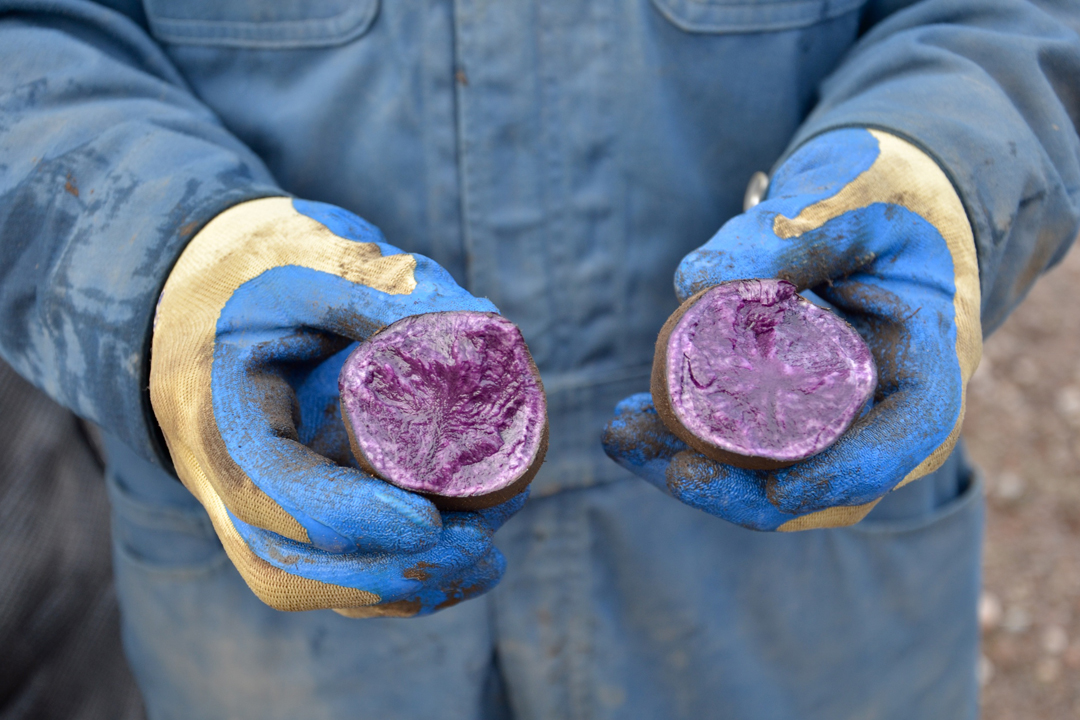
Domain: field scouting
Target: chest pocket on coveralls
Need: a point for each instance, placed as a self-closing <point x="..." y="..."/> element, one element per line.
<point x="747" y="16"/>
<point x="260" y="24"/>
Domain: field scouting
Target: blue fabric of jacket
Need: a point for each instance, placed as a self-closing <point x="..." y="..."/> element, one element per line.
<point x="557" y="157"/>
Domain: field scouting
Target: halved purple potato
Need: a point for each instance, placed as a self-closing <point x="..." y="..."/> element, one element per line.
<point x="751" y="374"/>
<point x="449" y="405"/>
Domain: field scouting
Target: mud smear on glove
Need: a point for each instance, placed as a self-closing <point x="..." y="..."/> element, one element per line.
<point x="750" y="374"/>
<point x="458" y="592"/>
<point x="419" y="571"/>
<point x="879" y="315"/>
<point x="640" y="437"/>
<point x="448" y="405"/>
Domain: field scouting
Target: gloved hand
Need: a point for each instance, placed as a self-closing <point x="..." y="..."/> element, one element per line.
<point x="874" y="226"/>
<point x="251" y="331"/>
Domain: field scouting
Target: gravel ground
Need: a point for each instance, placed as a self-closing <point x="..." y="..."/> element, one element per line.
<point x="1023" y="429"/>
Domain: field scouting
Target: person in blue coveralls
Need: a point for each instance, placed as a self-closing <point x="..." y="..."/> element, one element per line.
<point x="206" y="203"/>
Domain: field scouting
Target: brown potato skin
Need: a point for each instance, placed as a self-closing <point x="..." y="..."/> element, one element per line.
<point x="472" y="502"/>
<point x="662" y="401"/>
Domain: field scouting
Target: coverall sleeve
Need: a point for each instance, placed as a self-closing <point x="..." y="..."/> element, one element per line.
<point x="108" y="166"/>
<point x="991" y="90"/>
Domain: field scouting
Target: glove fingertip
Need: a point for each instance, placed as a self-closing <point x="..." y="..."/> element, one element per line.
<point x="496" y="516"/>
<point x="480" y="579"/>
<point x="637" y="403"/>
<point x="327" y="539"/>
<point x="415" y="510"/>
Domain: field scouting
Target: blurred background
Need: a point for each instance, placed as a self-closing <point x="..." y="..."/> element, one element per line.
<point x="59" y="627"/>
<point x="1023" y="430"/>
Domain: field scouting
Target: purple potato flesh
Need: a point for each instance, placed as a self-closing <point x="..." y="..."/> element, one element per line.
<point x="449" y="405"/>
<point x="754" y="375"/>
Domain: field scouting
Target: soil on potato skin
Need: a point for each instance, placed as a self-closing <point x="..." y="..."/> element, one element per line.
<point x="1023" y="430"/>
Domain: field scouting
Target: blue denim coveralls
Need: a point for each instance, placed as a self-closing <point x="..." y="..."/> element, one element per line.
<point x="559" y="158"/>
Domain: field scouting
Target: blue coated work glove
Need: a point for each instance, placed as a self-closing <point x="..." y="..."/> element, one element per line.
<point x="872" y="225"/>
<point x="251" y="331"/>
